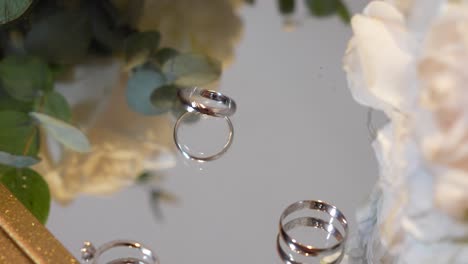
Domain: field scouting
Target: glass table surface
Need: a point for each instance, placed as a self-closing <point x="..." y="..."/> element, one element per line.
<point x="298" y="135"/>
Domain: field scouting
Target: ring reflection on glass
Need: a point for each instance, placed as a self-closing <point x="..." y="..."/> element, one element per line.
<point x="288" y="258"/>
<point x="202" y="158"/>
<point x="91" y="255"/>
<point x="208" y="102"/>
<point x="331" y="254"/>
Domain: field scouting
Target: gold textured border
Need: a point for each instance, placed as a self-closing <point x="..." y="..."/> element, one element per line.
<point x="9" y="251"/>
<point x="28" y="234"/>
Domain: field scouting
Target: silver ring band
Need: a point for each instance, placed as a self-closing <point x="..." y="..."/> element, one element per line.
<point x="200" y="158"/>
<point x="310" y="250"/>
<point x="289" y="259"/>
<point x="228" y="107"/>
<point x="89" y="253"/>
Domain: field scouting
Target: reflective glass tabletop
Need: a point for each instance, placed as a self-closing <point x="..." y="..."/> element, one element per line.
<point x="298" y="134"/>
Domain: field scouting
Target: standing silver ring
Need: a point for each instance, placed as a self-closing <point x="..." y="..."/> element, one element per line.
<point x="202" y="158"/>
<point x="333" y="253"/>
<point x="224" y="105"/>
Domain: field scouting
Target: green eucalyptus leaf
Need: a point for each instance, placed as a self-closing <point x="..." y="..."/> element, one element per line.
<point x="140" y="86"/>
<point x="286" y="7"/>
<point x="3" y="169"/>
<point x="17" y="161"/>
<point x="56" y="105"/>
<point x="61" y="38"/>
<point x="343" y="12"/>
<point x="165" y="54"/>
<point x="30" y="189"/>
<point x="23" y="77"/>
<point x="64" y="133"/>
<point x="18" y="134"/>
<point x="151" y="65"/>
<point x="13" y="9"/>
<point x="322" y="8"/>
<point x="163" y="97"/>
<point x="59" y="71"/>
<point x="190" y="69"/>
<point x="140" y="46"/>
<point x="11" y="104"/>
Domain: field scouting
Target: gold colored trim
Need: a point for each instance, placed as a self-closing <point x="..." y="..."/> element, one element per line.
<point x="9" y="251"/>
<point x="28" y="234"/>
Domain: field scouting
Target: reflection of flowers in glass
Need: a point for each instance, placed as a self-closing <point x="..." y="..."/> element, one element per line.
<point x="211" y="27"/>
<point x="124" y="143"/>
<point x="415" y="73"/>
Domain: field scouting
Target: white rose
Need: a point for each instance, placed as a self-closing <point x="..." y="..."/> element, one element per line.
<point x="444" y="100"/>
<point x="412" y="66"/>
<point x="379" y="61"/>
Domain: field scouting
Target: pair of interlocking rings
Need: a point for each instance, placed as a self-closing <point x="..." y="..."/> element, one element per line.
<point x="207" y="102"/>
<point x="288" y="246"/>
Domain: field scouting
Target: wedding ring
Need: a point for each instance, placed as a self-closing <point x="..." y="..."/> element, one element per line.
<point x="90" y="254"/>
<point x="331" y="254"/>
<point x="289" y="259"/>
<point x="202" y="158"/>
<point x="217" y="104"/>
